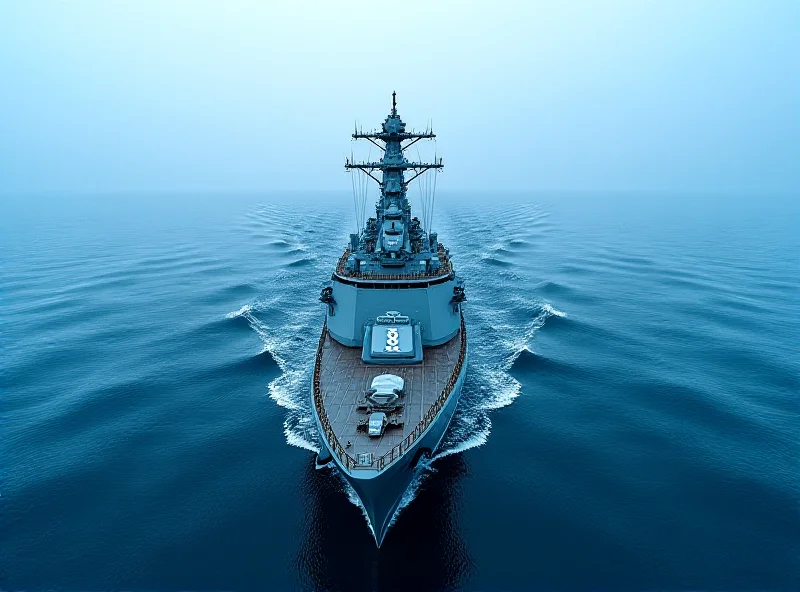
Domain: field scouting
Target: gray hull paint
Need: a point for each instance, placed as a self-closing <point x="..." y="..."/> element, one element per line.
<point x="380" y="492"/>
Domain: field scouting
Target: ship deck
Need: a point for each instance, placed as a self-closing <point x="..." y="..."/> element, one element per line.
<point x="344" y="379"/>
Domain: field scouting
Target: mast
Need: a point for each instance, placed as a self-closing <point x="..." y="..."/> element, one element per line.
<point x="394" y="164"/>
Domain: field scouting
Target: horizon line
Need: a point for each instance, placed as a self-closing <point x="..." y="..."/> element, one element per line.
<point x="448" y="192"/>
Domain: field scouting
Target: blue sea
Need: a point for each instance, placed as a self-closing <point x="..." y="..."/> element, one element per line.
<point x="630" y="419"/>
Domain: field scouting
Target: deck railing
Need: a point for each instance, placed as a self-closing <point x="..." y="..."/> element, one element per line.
<point x="380" y="463"/>
<point x="445" y="270"/>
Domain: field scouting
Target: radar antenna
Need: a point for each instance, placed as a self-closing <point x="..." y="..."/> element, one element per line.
<point x="394" y="164"/>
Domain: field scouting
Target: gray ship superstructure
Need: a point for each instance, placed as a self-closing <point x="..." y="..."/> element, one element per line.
<point x="392" y="355"/>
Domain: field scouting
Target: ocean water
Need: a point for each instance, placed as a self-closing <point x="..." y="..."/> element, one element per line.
<point x="629" y="422"/>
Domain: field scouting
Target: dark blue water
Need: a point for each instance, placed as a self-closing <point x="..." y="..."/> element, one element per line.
<point x="630" y="419"/>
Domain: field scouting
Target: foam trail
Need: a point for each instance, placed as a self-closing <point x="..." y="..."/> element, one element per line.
<point x="408" y="496"/>
<point x="500" y="333"/>
<point x="506" y="328"/>
<point x="502" y="314"/>
<point x="294" y="437"/>
<point x="552" y="311"/>
<point x="238" y="313"/>
<point x="282" y="389"/>
<point x="287" y="390"/>
<point x="288" y="319"/>
<point x="352" y="496"/>
<point x="476" y="438"/>
<point x="423" y="471"/>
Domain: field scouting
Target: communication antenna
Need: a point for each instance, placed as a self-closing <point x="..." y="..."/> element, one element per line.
<point x="390" y="171"/>
<point x="360" y="191"/>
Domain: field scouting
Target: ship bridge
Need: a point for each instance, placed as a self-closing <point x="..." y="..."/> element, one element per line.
<point x="394" y="263"/>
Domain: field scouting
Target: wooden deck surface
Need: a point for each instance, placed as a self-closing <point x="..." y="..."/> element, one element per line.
<point x="344" y="379"/>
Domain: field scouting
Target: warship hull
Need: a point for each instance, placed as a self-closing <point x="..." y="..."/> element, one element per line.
<point x="381" y="492"/>
<point x="392" y="355"/>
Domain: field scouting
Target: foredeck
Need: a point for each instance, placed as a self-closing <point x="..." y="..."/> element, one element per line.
<point x="344" y="378"/>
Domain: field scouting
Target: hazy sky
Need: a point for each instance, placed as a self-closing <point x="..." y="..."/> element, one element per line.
<point x="675" y="96"/>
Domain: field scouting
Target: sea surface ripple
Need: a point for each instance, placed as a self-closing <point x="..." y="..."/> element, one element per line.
<point x="629" y="419"/>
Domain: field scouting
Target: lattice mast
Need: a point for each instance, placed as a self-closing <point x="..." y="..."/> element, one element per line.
<point x="393" y="166"/>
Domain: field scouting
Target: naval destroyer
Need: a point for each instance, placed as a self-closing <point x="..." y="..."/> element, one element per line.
<point x="392" y="356"/>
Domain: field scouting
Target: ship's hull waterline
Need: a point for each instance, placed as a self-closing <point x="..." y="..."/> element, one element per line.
<point x="381" y="492"/>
